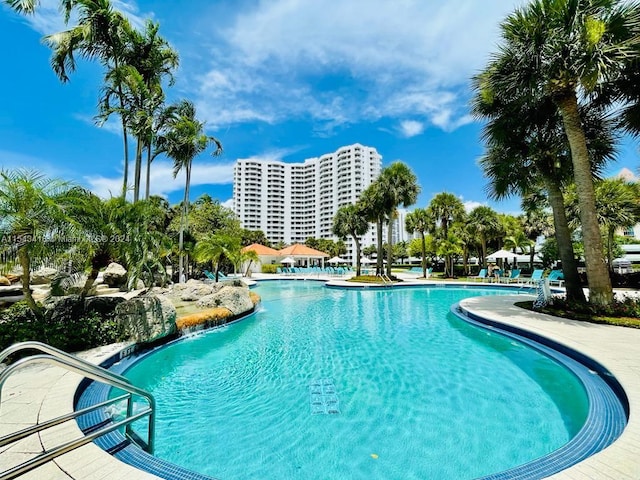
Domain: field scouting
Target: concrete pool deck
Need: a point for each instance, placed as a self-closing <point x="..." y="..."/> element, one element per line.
<point x="39" y="393"/>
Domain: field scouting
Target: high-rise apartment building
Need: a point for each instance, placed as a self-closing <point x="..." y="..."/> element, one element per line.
<point x="291" y="202"/>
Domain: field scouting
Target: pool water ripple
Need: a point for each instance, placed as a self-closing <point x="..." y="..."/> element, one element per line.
<point x="422" y="394"/>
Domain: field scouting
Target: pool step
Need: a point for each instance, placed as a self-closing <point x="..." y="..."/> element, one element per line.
<point x="322" y="397"/>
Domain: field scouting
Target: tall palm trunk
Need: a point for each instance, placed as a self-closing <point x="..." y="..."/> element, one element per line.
<point x="138" y="170"/>
<point x="148" y="179"/>
<point x="125" y="137"/>
<point x="565" y="246"/>
<point x="600" y="290"/>
<point x="389" y="245"/>
<point x="423" y="252"/>
<point x="379" y="241"/>
<point x="183" y="222"/>
<point x="356" y="242"/>
<point x="25" y="263"/>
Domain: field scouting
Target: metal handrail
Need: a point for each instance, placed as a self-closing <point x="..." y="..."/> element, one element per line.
<point x="88" y="370"/>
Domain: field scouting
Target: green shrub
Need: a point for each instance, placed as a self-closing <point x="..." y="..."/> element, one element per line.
<point x="71" y="333"/>
<point x="269" y="268"/>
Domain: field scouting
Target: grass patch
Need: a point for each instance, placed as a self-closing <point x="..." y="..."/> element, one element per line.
<point x="371" y="279"/>
<point x="622" y="314"/>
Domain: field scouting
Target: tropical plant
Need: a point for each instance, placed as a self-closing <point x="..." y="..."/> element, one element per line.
<point x="617" y="206"/>
<point x="536" y="222"/>
<point x="216" y="247"/>
<point x="420" y="221"/>
<point x="567" y="49"/>
<point x="399" y="186"/>
<point x="373" y="207"/>
<point x="349" y="221"/>
<point x="182" y="140"/>
<point x="33" y="220"/>
<point x="446" y="208"/>
<point x="528" y="154"/>
<point x="484" y="224"/>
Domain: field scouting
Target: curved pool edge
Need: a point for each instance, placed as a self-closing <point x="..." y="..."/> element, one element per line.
<point x="620" y="460"/>
<point x="613" y="348"/>
<point x="608" y="407"/>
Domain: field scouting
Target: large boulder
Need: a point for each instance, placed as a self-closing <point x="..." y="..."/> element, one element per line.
<point x="115" y="275"/>
<point x="195" y="290"/>
<point x="147" y="318"/>
<point x="103" y="305"/>
<point x="236" y="299"/>
<point x="43" y="276"/>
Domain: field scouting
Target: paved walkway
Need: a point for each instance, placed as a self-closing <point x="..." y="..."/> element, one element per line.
<point x="39" y="393"/>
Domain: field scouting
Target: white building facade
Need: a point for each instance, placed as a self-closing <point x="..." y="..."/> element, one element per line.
<point x="291" y="202"/>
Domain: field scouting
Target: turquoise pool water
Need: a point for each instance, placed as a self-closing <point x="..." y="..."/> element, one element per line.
<point x="357" y="384"/>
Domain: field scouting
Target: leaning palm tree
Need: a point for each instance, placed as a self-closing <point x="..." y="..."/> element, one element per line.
<point x="420" y="221"/>
<point x="215" y="247"/>
<point x="100" y="34"/>
<point x="349" y="221"/>
<point x="528" y="153"/>
<point x="400" y="187"/>
<point x="568" y="49"/>
<point x="182" y="140"/>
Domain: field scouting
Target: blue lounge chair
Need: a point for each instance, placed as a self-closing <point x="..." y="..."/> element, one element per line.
<point x="514" y="276"/>
<point x="482" y="275"/>
<point x="536" y="276"/>
<point x="556" y="277"/>
<point x="209" y="275"/>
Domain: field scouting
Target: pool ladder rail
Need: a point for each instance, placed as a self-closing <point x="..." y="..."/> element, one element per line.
<point x="72" y="363"/>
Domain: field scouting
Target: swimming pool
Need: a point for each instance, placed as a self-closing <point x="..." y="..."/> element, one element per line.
<point x="357" y="384"/>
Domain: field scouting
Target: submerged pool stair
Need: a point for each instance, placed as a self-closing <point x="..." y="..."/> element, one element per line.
<point x="322" y="397"/>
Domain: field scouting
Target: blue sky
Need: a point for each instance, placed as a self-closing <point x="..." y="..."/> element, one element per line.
<point x="278" y="79"/>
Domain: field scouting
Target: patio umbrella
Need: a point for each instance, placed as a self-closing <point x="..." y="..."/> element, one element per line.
<point x="503" y="254"/>
<point x="367" y="261"/>
<point x="337" y="260"/>
<point x="288" y="260"/>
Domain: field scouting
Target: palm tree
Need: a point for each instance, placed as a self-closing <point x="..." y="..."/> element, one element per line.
<point x="420" y="221"/>
<point x="33" y="217"/>
<point x="566" y="48"/>
<point x="536" y="222"/>
<point x="517" y="241"/>
<point x="373" y="207"/>
<point x="100" y="34"/>
<point x="618" y="206"/>
<point x="483" y="222"/>
<point x="350" y="221"/>
<point x="214" y="247"/>
<point x="182" y="140"/>
<point x="400" y="187"/>
<point x="446" y="208"/>
<point x="528" y="153"/>
<point x="153" y="59"/>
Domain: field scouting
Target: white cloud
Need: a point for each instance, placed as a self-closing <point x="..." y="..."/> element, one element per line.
<point x="286" y="58"/>
<point x="411" y="128"/>
<point x="228" y="203"/>
<point x="469" y="205"/>
<point x="162" y="181"/>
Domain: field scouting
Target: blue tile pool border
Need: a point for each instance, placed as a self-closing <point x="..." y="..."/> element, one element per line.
<point x="608" y="403"/>
<point x="606" y="418"/>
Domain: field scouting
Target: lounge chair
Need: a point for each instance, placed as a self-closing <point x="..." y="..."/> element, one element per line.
<point x="556" y="277"/>
<point x="536" y="276"/>
<point x="482" y="275"/>
<point x="514" y="276"/>
<point x="209" y="275"/>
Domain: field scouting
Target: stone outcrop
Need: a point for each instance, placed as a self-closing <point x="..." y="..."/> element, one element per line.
<point x="148" y="317"/>
<point x="115" y="275"/>
<point x="236" y="299"/>
<point x="43" y="276"/>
